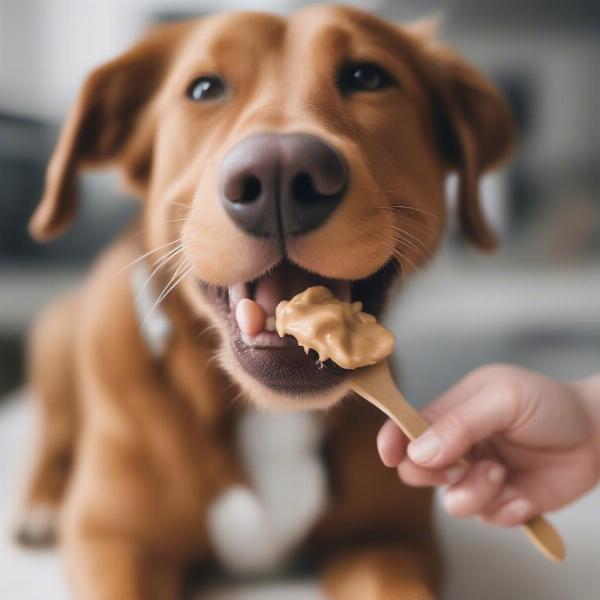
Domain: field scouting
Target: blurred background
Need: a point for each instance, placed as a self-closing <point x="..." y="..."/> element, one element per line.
<point x="536" y="302"/>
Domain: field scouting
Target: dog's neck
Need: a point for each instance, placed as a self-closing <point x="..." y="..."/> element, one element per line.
<point x="287" y="484"/>
<point x="181" y="348"/>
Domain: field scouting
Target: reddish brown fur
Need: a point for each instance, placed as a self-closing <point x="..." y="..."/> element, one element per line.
<point x="152" y="443"/>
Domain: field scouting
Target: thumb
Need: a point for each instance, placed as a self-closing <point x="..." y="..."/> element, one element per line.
<point x="455" y="432"/>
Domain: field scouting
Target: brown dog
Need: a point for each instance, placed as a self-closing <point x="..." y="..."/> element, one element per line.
<point x="270" y="154"/>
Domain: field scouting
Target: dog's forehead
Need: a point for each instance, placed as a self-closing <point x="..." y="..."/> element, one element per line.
<point x="241" y="35"/>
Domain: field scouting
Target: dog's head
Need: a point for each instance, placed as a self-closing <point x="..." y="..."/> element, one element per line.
<point x="274" y="154"/>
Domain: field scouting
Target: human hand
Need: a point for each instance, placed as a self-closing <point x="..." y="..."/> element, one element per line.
<point x="534" y="443"/>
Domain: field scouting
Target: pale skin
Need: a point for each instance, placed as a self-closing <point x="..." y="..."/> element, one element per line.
<point x="534" y="442"/>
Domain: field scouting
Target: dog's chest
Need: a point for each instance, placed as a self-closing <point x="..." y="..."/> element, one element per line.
<point x="254" y="530"/>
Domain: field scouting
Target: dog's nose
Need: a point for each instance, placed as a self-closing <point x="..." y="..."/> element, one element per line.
<point x="273" y="185"/>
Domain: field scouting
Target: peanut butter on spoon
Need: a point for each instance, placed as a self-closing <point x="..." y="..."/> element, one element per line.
<point x="336" y="330"/>
<point x="353" y="339"/>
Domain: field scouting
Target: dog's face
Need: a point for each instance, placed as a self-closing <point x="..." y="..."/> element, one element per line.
<point x="274" y="154"/>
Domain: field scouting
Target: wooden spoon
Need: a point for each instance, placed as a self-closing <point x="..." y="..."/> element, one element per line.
<point x="376" y="385"/>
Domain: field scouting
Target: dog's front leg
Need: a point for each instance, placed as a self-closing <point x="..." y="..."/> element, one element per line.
<point x="393" y="572"/>
<point x="111" y="568"/>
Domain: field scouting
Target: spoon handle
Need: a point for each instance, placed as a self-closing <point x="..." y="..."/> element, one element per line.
<point x="376" y="385"/>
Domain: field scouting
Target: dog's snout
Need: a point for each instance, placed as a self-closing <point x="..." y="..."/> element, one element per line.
<point x="273" y="185"/>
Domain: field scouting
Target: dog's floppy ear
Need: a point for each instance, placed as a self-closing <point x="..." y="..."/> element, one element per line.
<point x="474" y="128"/>
<point x="102" y="128"/>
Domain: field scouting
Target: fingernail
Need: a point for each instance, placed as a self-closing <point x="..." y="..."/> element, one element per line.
<point x="425" y="447"/>
<point x="455" y="474"/>
<point x="496" y="474"/>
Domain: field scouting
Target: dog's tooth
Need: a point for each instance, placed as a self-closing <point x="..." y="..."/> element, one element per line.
<point x="270" y="323"/>
<point x="264" y="340"/>
<point x="250" y="317"/>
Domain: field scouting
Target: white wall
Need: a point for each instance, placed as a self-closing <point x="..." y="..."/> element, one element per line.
<point x="47" y="47"/>
<point x="564" y="71"/>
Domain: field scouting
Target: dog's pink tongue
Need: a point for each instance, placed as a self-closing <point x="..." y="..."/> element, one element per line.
<point x="270" y="290"/>
<point x="250" y="317"/>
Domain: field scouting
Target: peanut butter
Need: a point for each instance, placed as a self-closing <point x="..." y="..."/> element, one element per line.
<point x="336" y="330"/>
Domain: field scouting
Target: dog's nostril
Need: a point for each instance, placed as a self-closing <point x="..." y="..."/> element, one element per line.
<point x="274" y="185"/>
<point x="303" y="188"/>
<point x="251" y="190"/>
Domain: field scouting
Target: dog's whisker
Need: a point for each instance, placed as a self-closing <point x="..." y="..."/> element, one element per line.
<point x="392" y="250"/>
<point x="170" y="254"/>
<point x="401" y="256"/>
<point x="209" y="362"/>
<point x="409" y="208"/>
<point x="163" y="262"/>
<point x="166" y="291"/>
<point x="411" y="247"/>
<point x="415" y="216"/>
<point x="418" y="251"/>
<point x="174" y="276"/>
<point x="398" y="255"/>
<point x="395" y="260"/>
<point x="146" y="254"/>
<point x="385" y="245"/>
<point x="401" y="208"/>
<point x="209" y="327"/>
<point x="413" y="237"/>
<point x="414" y="243"/>
<point x="399" y="268"/>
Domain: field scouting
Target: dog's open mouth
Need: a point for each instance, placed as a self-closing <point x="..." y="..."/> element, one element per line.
<point x="279" y="363"/>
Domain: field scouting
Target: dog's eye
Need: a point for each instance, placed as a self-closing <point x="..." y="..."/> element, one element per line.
<point x="206" y="87"/>
<point x="364" y="77"/>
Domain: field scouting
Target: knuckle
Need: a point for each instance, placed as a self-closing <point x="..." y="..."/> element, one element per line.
<point x="510" y="394"/>
<point x="510" y="386"/>
<point x="502" y="377"/>
<point x="457" y="426"/>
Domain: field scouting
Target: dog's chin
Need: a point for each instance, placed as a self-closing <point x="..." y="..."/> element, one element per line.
<point x="262" y="393"/>
<point x="276" y="371"/>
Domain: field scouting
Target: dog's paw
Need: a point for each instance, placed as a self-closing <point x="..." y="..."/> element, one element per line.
<point x="36" y="526"/>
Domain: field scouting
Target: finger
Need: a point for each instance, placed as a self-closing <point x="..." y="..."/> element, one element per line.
<point x="515" y="505"/>
<point x="476" y="489"/>
<point x="453" y="434"/>
<point x="417" y="476"/>
<point x="391" y="444"/>
<point x="516" y="511"/>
